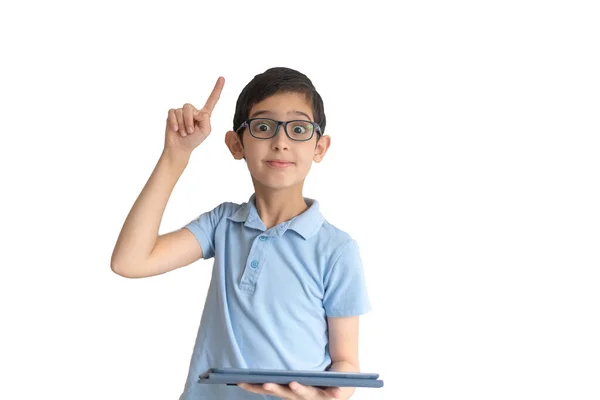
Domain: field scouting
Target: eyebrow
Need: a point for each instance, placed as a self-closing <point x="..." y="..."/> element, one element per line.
<point x="270" y="112"/>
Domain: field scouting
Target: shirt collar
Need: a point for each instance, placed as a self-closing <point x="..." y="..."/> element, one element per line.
<point x="305" y="224"/>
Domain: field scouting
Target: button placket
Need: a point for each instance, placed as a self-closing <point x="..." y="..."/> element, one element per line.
<point x="254" y="263"/>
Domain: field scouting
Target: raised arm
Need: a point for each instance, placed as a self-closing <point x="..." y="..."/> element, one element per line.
<point x="139" y="250"/>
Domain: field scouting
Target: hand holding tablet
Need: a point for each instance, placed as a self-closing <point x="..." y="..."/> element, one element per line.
<point x="323" y="379"/>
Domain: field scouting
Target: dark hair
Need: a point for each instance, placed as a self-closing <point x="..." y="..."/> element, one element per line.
<point x="278" y="80"/>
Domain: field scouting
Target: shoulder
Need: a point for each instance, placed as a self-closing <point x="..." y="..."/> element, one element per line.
<point x="332" y="233"/>
<point x="218" y="213"/>
<point x="334" y="240"/>
<point x="227" y="209"/>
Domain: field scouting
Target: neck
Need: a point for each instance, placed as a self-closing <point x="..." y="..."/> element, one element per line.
<point x="275" y="206"/>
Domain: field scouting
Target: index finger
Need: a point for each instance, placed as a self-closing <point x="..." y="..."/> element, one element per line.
<point x="214" y="96"/>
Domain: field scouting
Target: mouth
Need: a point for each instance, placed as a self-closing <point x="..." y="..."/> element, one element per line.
<point x="279" y="164"/>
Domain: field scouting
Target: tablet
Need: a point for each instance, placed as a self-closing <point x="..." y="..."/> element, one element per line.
<point x="233" y="376"/>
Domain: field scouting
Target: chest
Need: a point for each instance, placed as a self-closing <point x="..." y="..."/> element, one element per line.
<point x="276" y="265"/>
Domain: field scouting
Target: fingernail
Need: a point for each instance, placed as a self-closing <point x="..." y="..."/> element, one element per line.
<point x="190" y="130"/>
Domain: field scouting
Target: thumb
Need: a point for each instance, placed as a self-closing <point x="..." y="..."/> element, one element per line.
<point x="200" y="115"/>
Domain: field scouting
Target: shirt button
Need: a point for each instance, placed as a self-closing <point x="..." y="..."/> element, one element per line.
<point x="263" y="238"/>
<point x="254" y="264"/>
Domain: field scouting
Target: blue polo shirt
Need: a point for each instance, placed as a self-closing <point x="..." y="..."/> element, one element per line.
<point x="270" y="293"/>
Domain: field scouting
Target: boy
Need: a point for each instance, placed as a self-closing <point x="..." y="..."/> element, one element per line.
<point x="287" y="286"/>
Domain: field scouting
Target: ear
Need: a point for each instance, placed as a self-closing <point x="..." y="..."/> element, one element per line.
<point x="234" y="144"/>
<point x="321" y="148"/>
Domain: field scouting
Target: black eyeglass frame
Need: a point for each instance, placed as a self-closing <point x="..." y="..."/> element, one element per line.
<point x="246" y="124"/>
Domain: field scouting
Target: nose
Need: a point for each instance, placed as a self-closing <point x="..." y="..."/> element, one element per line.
<point x="280" y="141"/>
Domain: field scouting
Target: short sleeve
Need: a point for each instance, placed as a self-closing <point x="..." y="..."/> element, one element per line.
<point x="345" y="286"/>
<point x="204" y="228"/>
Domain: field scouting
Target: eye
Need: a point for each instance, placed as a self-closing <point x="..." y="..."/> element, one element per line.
<point x="263" y="127"/>
<point x="299" y="129"/>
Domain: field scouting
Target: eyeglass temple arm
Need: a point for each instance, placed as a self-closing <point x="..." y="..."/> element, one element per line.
<point x="243" y="125"/>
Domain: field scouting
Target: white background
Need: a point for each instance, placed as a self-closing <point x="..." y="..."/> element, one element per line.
<point x="464" y="161"/>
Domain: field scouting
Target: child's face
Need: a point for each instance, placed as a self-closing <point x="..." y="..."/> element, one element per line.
<point x="258" y="152"/>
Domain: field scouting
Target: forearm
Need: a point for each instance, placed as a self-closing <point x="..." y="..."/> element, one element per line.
<point x="140" y="229"/>
<point x="345" y="366"/>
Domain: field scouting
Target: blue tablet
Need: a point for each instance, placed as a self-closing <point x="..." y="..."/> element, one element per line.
<point x="233" y="376"/>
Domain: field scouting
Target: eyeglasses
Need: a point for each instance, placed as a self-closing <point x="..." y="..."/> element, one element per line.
<point x="266" y="128"/>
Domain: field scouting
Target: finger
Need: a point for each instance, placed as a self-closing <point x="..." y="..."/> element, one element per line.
<point x="258" y="389"/>
<point x="188" y="117"/>
<point x="180" y="123"/>
<point x="275" y="389"/>
<point x="172" y="119"/>
<point x="203" y="119"/>
<point x="201" y="116"/>
<point x="215" y="95"/>
<point x="248" y="387"/>
<point x="334" y="392"/>
<point x="303" y="391"/>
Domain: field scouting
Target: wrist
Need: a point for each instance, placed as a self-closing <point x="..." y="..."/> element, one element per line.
<point x="175" y="158"/>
